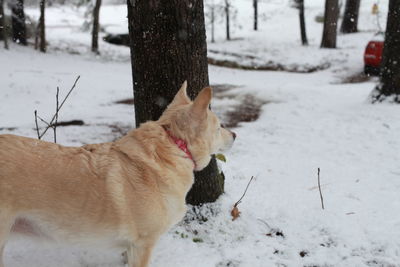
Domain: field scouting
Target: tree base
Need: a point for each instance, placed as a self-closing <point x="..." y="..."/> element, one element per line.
<point x="208" y="185"/>
<point x="377" y="96"/>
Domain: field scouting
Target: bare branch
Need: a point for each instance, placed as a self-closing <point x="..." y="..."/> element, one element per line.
<point x="264" y="222"/>
<point x="59" y="107"/>
<point x="45" y="122"/>
<point x="37" y="126"/>
<point x="320" y="192"/>
<point x="240" y="200"/>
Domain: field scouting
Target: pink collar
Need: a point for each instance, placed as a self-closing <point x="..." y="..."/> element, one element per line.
<point x="181" y="145"/>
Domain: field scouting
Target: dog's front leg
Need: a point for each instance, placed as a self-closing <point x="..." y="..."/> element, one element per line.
<point x="139" y="255"/>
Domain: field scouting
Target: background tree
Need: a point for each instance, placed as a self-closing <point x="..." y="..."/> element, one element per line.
<point x="389" y="84"/>
<point x="227" y="14"/>
<point x="350" y="19"/>
<point x="168" y="46"/>
<point x="18" y="22"/>
<point x="96" y="26"/>
<point x="300" y="5"/>
<point x="212" y="9"/>
<point x="255" y="5"/>
<point x="42" y="26"/>
<point x="330" y="24"/>
<point x="3" y="27"/>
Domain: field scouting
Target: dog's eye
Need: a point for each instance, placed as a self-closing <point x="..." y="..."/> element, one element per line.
<point x="222" y="126"/>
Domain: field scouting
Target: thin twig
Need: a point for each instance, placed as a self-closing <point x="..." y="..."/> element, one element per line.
<point x="237" y="203"/>
<point x="57" y="109"/>
<point x="60" y="106"/>
<point x="37" y="126"/>
<point x="264" y="222"/>
<point x="320" y="192"/>
<point x="45" y="122"/>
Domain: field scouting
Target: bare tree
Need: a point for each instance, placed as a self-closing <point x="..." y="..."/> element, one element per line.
<point x="212" y="9"/>
<point x="330" y="24"/>
<point x="96" y="26"/>
<point x="18" y="22"/>
<point x="303" y="32"/>
<point x="42" y="26"/>
<point x="350" y="19"/>
<point x="227" y="14"/>
<point x="166" y="50"/>
<point x="389" y="84"/>
<point x="213" y="24"/>
<point x="3" y="27"/>
<point x="255" y="5"/>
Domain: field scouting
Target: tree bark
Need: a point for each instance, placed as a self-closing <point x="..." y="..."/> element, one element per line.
<point x="330" y="24"/>
<point x="18" y="22"/>
<point x="42" y="26"/>
<point x="389" y="84"/>
<point x="168" y="46"/>
<point x="227" y="15"/>
<point x="303" y="31"/>
<point x="3" y="25"/>
<point x="96" y="26"/>
<point x="255" y="5"/>
<point x="213" y="24"/>
<point x="350" y="19"/>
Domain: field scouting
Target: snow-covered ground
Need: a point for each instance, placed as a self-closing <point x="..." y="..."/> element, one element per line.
<point x="309" y="121"/>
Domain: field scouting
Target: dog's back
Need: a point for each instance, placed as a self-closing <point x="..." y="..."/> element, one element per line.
<point x="48" y="186"/>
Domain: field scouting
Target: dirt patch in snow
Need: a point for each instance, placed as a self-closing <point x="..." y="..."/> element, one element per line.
<point x="360" y="77"/>
<point x="247" y="109"/>
<point x="236" y="61"/>
<point x="269" y="66"/>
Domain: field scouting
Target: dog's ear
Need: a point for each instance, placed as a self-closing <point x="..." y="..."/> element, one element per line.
<point x="202" y="102"/>
<point x="181" y="97"/>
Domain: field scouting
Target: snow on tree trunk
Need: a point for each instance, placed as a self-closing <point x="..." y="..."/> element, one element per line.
<point x="350" y="19"/>
<point x="168" y="46"/>
<point x="389" y="84"/>
<point x="96" y="26"/>
<point x="330" y="24"/>
<point x="18" y="22"/>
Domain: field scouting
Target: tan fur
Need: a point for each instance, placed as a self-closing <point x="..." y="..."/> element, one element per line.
<point x="122" y="194"/>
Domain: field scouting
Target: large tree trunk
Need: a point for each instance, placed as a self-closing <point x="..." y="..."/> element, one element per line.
<point x="227" y="16"/>
<point x="330" y="24"/>
<point x="389" y="84"/>
<point x="96" y="26"/>
<point x="350" y="19"/>
<point x="255" y="5"/>
<point x="303" y="32"/>
<point x="42" y="26"/>
<point x="18" y="22"/>
<point x="168" y="46"/>
<point x="3" y="27"/>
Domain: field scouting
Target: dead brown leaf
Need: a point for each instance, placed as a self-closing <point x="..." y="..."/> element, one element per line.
<point x="235" y="213"/>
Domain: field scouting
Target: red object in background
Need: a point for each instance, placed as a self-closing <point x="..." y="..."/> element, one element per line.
<point x="373" y="56"/>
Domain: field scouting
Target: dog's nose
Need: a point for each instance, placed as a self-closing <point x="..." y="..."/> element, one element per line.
<point x="234" y="135"/>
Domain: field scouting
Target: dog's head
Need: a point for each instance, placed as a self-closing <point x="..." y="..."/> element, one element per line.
<point x="195" y="123"/>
